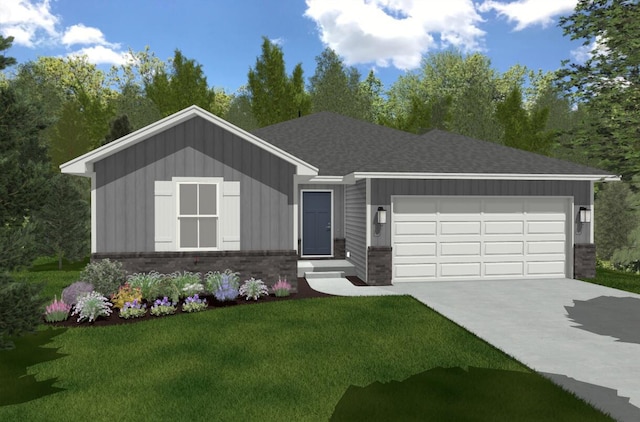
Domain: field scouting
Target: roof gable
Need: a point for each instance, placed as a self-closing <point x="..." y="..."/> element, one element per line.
<point x="83" y="165"/>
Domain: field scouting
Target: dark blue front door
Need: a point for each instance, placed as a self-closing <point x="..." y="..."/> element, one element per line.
<point x="316" y="223"/>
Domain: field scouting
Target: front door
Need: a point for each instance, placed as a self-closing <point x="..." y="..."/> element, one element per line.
<point x="316" y="223"/>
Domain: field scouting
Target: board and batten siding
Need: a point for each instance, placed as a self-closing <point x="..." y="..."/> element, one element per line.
<point x="338" y="206"/>
<point x="194" y="148"/>
<point x="355" y="226"/>
<point x="382" y="189"/>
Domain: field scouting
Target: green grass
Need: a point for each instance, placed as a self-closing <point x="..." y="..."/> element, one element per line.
<point x="616" y="279"/>
<point x="280" y="361"/>
<point x="45" y="270"/>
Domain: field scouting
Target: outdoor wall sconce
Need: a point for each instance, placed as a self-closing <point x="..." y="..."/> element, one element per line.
<point x="382" y="215"/>
<point x="585" y="215"/>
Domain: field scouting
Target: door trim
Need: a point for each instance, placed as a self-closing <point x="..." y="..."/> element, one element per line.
<point x="302" y="191"/>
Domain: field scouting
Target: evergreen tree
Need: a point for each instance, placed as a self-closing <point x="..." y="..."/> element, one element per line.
<point x="118" y="128"/>
<point x="63" y="222"/>
<point x="614" y="218"/>
<point x="21" y="308"/>
<point x="5" y="44"/>
<point x="276" y="97"/>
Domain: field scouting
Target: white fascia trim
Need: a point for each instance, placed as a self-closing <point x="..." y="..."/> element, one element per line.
<point x="83" y="165"/>
<point x="484" y="176"/>
<point x="94" y="217"/>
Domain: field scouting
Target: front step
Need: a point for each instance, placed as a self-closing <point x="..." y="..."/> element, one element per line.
<point x="324" y="266"/>
<point x="324" y="274"/>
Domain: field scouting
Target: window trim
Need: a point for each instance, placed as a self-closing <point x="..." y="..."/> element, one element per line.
<point x="218" y="181"/>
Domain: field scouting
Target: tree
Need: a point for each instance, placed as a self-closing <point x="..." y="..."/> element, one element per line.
<point x="608" y="82"/>
<point x="335" y="87"/>
<point x="614" y="218"/>
<point x="185" y="85"/>
<point x="21" y="307"/>
<point x="239" y="112"/>
<point x="132" y="102"/>
<point x="5" y="44"/>
<point x="63" y="229"/>
<point x="522" y="129"/>
<point x="373" y="89"/>
<point x="118" y="128"/>
<point x="276" y="97"/>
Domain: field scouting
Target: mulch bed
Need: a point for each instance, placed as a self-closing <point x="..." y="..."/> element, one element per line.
<point x="304" y="292"/>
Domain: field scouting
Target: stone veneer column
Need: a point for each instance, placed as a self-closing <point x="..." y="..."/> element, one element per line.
<point x="379" y="265"/>
<point x="584" y="260"/>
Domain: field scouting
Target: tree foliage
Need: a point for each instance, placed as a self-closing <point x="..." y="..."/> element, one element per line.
<point x="614" y="218"/>
<point x="5" y="44"/>
<point x="275" y="96"/>
<point x="21" y="308"/>
<point x="608" y="81"/>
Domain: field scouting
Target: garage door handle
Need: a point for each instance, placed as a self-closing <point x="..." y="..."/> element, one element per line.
<point x="329" y="226"/>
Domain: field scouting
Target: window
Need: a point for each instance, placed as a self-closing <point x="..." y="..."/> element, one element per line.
<point x="198" y="215"/>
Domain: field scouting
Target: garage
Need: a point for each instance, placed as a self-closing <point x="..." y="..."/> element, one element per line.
<point x="460" y="238"/>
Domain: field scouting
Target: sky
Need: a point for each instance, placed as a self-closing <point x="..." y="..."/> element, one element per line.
<point x="225" y="36"/>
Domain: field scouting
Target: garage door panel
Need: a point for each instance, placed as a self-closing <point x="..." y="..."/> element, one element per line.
<point x="415" y="249"/>
<point x="504" y="227"/>
<point x="459" y="227"/>
<point x="413" y="228"/>
<point x="460" y="269"/>
<point x="545" y="247"/>
<point x="545" y="227"/>
<point x="555" y="268"/>
<point x="416" y="270"/>
<point x="415" y="205"/>
<point x="503" y="248"/>
<point x="480" y="237"/>
<point x="460" y="249"/>
<point x="513" y="269"/>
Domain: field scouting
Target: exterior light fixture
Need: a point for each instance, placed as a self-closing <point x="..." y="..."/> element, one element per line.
<point x="382" y="215"/>
<point x="585" y="215"/>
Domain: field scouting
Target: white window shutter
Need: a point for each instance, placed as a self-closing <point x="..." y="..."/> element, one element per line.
<point x="230" y="216"/>
<point x="165" y="216"/>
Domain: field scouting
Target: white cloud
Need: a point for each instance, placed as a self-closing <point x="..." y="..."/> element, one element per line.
<point x="585" y="52"/>
<point x="80" y="34"/>
<point x="26" y="21"/>
<point x="395" y="32"/>
<point x="33" y="24"/>
<point x="103" y="55"/>
<point x="527" y="13"/>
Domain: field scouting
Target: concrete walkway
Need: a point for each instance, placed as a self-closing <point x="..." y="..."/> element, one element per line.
<point x="584" y="337"/>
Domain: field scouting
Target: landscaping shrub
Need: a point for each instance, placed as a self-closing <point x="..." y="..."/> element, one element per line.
<point x="70" y="293"/>
<point x="57" y="311"/>
<point x="194" y="304"/>
<point x="253" y="289"/>
<point x="125" y="294"/>
<point x="91" y="306"/>
<point x="145" y="282"/>
<point x="105" y="275"/>
<point x="281" y="288"/>
<point x="187" y="283"/>
<point x="133" y="309"/>
<point x="227" y="288"/>
<point x="21" y="307"/>
<point x="164" y="286"/>
<point x="213" y="280"/>
<point x="163" y="307"/>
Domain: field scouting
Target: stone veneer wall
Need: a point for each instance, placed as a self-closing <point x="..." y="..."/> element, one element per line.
<point x="379" y="265"/>
<point x="265" y="265"/>
<point x="584" y="260"/>
<point x="338" y="249"/>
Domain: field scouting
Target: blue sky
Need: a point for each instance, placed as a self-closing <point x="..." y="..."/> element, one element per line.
<point x="389" y="36"/>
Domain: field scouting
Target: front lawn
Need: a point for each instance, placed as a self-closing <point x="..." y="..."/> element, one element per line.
<point x="279" y="361"/>
<point x="616" y="279"/>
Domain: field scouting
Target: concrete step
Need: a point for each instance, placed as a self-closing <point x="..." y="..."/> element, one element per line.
<point x="328" y="265"/>
<point x="323" y="274"/>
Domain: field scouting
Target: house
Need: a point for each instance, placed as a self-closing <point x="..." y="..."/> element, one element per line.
<point x="194" y="192"/>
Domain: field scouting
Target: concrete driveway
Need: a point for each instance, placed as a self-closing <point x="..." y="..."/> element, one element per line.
<point x="582" y="336"/>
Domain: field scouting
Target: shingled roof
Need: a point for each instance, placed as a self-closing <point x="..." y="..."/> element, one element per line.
<point x="339" y="145"/>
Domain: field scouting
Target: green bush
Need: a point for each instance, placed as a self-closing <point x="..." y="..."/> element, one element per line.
<point x="145" y="282"/>
<point x="165" y="287"/>
<point x="187" y="283"/>
<point x="105" y="275"/>
<point x="21" y="308"/>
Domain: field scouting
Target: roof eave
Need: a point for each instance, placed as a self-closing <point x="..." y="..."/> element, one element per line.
<point x="487" y="176"/>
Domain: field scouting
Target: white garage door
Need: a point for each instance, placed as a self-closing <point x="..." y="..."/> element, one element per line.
<point x="458" y="238"/>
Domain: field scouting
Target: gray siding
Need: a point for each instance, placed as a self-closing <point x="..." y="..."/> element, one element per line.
<point x="195" y="148"/>
<point x="382" y="189"/>
<point x="338" y="207"/>
<point x="355" y="227"/>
